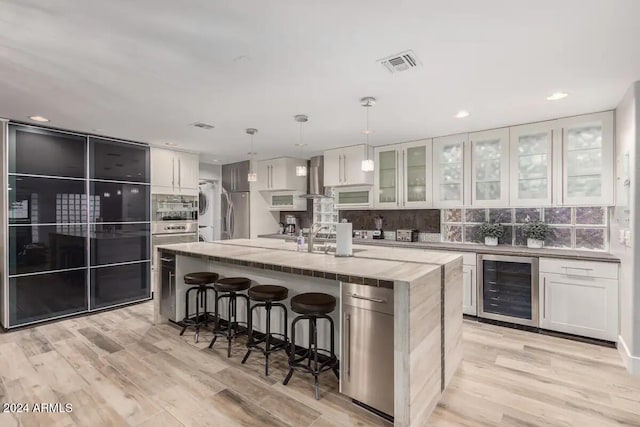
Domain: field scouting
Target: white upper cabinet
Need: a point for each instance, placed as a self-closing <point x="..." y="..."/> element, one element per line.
<point x="531" y="164"/>
<point x="417" y="184"/>
<point x="490" y="168"/>
<point x="174" y="172"/>
<point x="280" y="175"/>
<point x="450" y="165"/>
<point x="386" y="181"/>
<point x="343" y="166"/>
<point x="403" y="175"/>
<point x="587" y="159"/>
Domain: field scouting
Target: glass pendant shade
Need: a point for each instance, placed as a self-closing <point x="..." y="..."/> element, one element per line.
<point x="301" y="171"/>
<point x="252" y="177"/>
<point x="367" y="165"/>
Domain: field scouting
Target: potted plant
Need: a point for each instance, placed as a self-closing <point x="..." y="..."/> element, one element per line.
<point x="535" y="232"/>
<point x="491" y="231"/>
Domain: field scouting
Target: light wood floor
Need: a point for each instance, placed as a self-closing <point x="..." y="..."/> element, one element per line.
<point x="116" y="369"/>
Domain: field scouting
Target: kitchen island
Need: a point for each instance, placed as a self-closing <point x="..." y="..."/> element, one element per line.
<point x="427" y="302"/>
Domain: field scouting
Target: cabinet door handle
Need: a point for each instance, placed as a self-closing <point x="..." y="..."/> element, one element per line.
<point x="471" y="287"/>
<point x="344" y="167"/>
<point x="180" y="173"/>
<point x="544" y="297"/>
<point x="171" y="275"/>
<point x="340" y="168"/>
<point x="173" y="172"/>
<point x="404" y="187"/>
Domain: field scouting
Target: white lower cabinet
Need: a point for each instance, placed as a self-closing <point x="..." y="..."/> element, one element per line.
<point x="574" y="300"/>
<point x="469" y="290"/>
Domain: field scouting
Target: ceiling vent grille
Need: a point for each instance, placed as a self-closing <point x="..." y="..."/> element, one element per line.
<point x="202" y="125"/>
<point x="402" y="61"/>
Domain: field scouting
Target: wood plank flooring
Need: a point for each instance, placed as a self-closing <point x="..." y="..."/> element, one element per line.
<point x="117" y="369"/>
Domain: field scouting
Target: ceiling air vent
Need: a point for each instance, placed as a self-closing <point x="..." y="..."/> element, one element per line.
<point x="402" y="61"/>
<point x="202" y="125"/>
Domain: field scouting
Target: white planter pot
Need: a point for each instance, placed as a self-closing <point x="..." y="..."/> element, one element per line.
<point x="491" y="241"/>
<point x="534" y="243"/>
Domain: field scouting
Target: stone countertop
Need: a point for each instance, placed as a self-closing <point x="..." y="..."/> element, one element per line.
<point x="383" y="253"/>
<point x="467" y="247"/>
<point x="250" y="253"/>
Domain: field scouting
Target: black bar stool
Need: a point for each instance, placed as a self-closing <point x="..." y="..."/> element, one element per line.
<point x="312" y="306"/>
<point x="268" y="297"/>
<point x="229" y="288"/>
<point x="200" y="282"/>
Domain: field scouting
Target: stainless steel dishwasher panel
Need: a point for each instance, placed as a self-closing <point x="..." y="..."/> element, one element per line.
<point x="366" y="371"/>
<point x="168" y="285"/>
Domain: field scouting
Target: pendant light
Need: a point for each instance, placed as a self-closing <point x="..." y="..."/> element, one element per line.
<point x="300" y="169"/>
<point x="367" y="164"/>
<point x="251" y="176"/>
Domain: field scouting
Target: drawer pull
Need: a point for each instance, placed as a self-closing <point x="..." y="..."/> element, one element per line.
<point x="378" y="300"/>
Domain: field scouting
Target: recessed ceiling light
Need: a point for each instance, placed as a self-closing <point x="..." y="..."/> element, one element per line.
<point x="171" y="144"/>
<point x="462" y="114"/>
<point x="368" y="132"/>
<point x="557" y="96"/>
<point x="39" y="119"/>
<point x="300" y="145"/>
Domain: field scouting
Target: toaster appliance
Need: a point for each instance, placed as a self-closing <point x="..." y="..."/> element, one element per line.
<point x="407" y="235"/>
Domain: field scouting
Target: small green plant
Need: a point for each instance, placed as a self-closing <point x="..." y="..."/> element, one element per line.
<point x="536" y="230"/>
<point x="491" y="229"/>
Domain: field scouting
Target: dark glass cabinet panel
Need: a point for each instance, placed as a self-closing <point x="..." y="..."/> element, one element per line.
<point x="507" y="288"/>
<point x="114" y="243"/>
<point x="119" y="202"/>
<point x="42" y="248"/>
<point x="120" y="284"/>
<point x="38" y="151"/>
<point x="114" y="160"/>
<point x="44" y="296"/>
<point x="34" y="200"/>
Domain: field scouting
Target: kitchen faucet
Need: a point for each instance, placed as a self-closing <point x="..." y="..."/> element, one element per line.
<point x="313" y="232"/>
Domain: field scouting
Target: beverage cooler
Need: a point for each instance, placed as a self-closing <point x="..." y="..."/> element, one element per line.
<point x="508" y="289"/>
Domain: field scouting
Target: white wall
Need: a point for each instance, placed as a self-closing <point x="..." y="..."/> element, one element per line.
<point x="211" y="172"/>
<point x="626" y="218"/>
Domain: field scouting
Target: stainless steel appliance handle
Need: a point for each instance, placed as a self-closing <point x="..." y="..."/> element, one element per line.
<point x="378" y="300"/>
<point x="348" y="343"/>
<point x="171" y="276"/>
<point x="231" y="222"/>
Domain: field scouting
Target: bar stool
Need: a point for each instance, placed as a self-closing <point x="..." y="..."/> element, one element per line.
<point x="267" y="297"/>
<point x="200" y="282"/>
<point x="229" y="288"/>
<point x="312" y="306"/>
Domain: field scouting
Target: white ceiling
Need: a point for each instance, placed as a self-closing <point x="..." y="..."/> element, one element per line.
<point x="144" y="70"/>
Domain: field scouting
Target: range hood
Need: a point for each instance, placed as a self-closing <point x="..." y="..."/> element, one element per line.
<point x="316" y="179"/>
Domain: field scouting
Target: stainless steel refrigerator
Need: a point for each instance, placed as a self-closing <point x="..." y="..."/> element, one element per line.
<point x="235" y="201"/>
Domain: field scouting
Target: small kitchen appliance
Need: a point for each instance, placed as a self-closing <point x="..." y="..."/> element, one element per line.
<point x="291" y="223"/>
<point x="407" y="235"/>
<point x="378" y="233"/>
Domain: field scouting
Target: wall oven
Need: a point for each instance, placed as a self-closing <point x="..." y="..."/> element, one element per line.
<point x="508" y="289"/>
<point x="175" y="219"/>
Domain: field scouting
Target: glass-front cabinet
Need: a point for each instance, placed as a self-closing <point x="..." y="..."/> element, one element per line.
<point x="531" y="164"/>
<point x="403" y="175"/>
<point x="386" y="177"/>
<point x="417" y="185"/>
<point x="587" y="159"/>
<point x="490" y="168"/>
<point x="450" y="162"/>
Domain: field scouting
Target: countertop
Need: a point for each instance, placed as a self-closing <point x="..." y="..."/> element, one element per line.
<point x="467" y="247"/>
<point x="253" y="252"/>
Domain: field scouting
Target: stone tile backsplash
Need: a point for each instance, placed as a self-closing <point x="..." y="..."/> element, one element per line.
<point x="569" y="228"/>
<point x="423" y="220"/>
